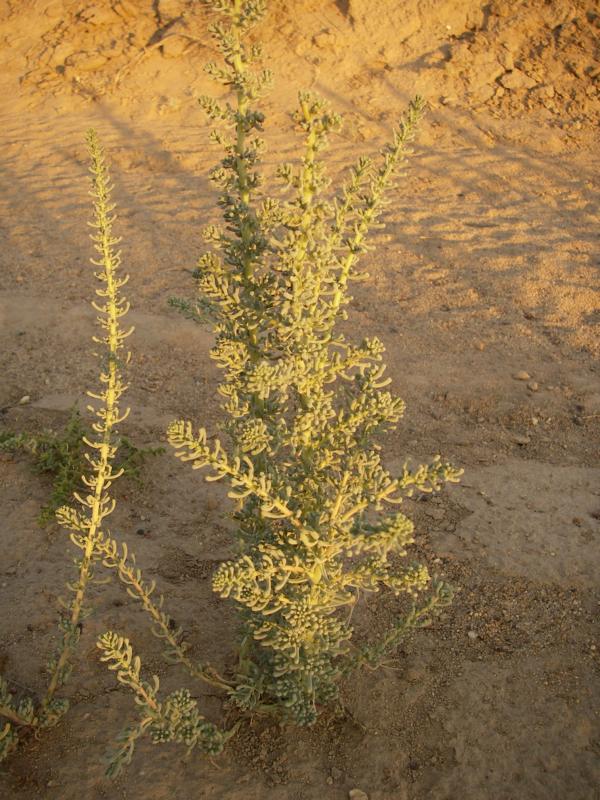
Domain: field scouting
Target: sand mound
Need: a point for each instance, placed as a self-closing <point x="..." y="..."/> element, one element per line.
<point x="509" y="58"/>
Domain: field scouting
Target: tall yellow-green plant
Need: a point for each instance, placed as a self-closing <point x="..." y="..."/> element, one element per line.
<point x="86" y="518"/>
<point x="304" y="407"/>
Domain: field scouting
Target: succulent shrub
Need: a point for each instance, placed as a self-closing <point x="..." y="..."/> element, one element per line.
<point x="305" y="408"/>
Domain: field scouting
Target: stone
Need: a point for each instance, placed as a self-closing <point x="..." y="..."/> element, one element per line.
<point x="487" y="72"/>
<point x="505" y="58"/>
<point x="87" y="62"/>
<point x="173" y="46"/>
<point x="521" y="439"/>
<point x="100" y="16"/>
<point x="517" y="79"/>
<point x="521" y="375"/>
<point x="483" y="93"/>
<point x="357" y="794"/>
<point x="325" y="39"/>
<point x="533" y="386"/>
<point x="24" y="400"/>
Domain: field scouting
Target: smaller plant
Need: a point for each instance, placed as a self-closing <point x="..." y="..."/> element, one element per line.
<point x="62" y="455"/>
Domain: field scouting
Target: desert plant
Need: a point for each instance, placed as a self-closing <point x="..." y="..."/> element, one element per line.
<point x="304" y="407"/>
<point x="95" y="503"/>
<point x="61" y="454"/>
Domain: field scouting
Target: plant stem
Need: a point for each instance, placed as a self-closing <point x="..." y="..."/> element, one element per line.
<point x="10" y="714"/>
<point x="99" y="504"/>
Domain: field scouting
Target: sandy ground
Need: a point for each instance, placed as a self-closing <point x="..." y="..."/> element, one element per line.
<point x="487" y="269"/>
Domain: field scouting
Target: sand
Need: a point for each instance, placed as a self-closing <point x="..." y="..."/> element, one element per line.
<point x="487" y="269"/>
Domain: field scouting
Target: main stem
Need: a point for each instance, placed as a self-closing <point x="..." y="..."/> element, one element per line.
<point x="102" y="467"/>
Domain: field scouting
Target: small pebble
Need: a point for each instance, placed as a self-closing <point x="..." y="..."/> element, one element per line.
<point x="520" y="439"/>
<point x="535" y="421"/>
<point x="533" y="386"/>
<point x="357" y="794"/>
<point x="522" y="376"/>
<point x="24" y="400"/>
<point x="472" y="635"/>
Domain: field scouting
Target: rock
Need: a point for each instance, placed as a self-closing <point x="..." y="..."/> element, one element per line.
<point x="486" y="72"/>
<point x="472" y="635"/>
<point x="87" y="62"/>
<point x="62" y="52"/>
<point x="24" y="400"/>
<point x="522" y="375"/>
<point x="100" y="16"/>
<point x="325" y="39"/>
<point x="415" y="675"/>
<point x="520" y="438"/>
<point x="436" y="275"/>
<point x="483" y="93"/>
<point x="533" y="386"/>
<point x="505" y="58"/>
<point x="516" y="79"/>
<point x="357" y="794"/>
<point x="173" y="46"/>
